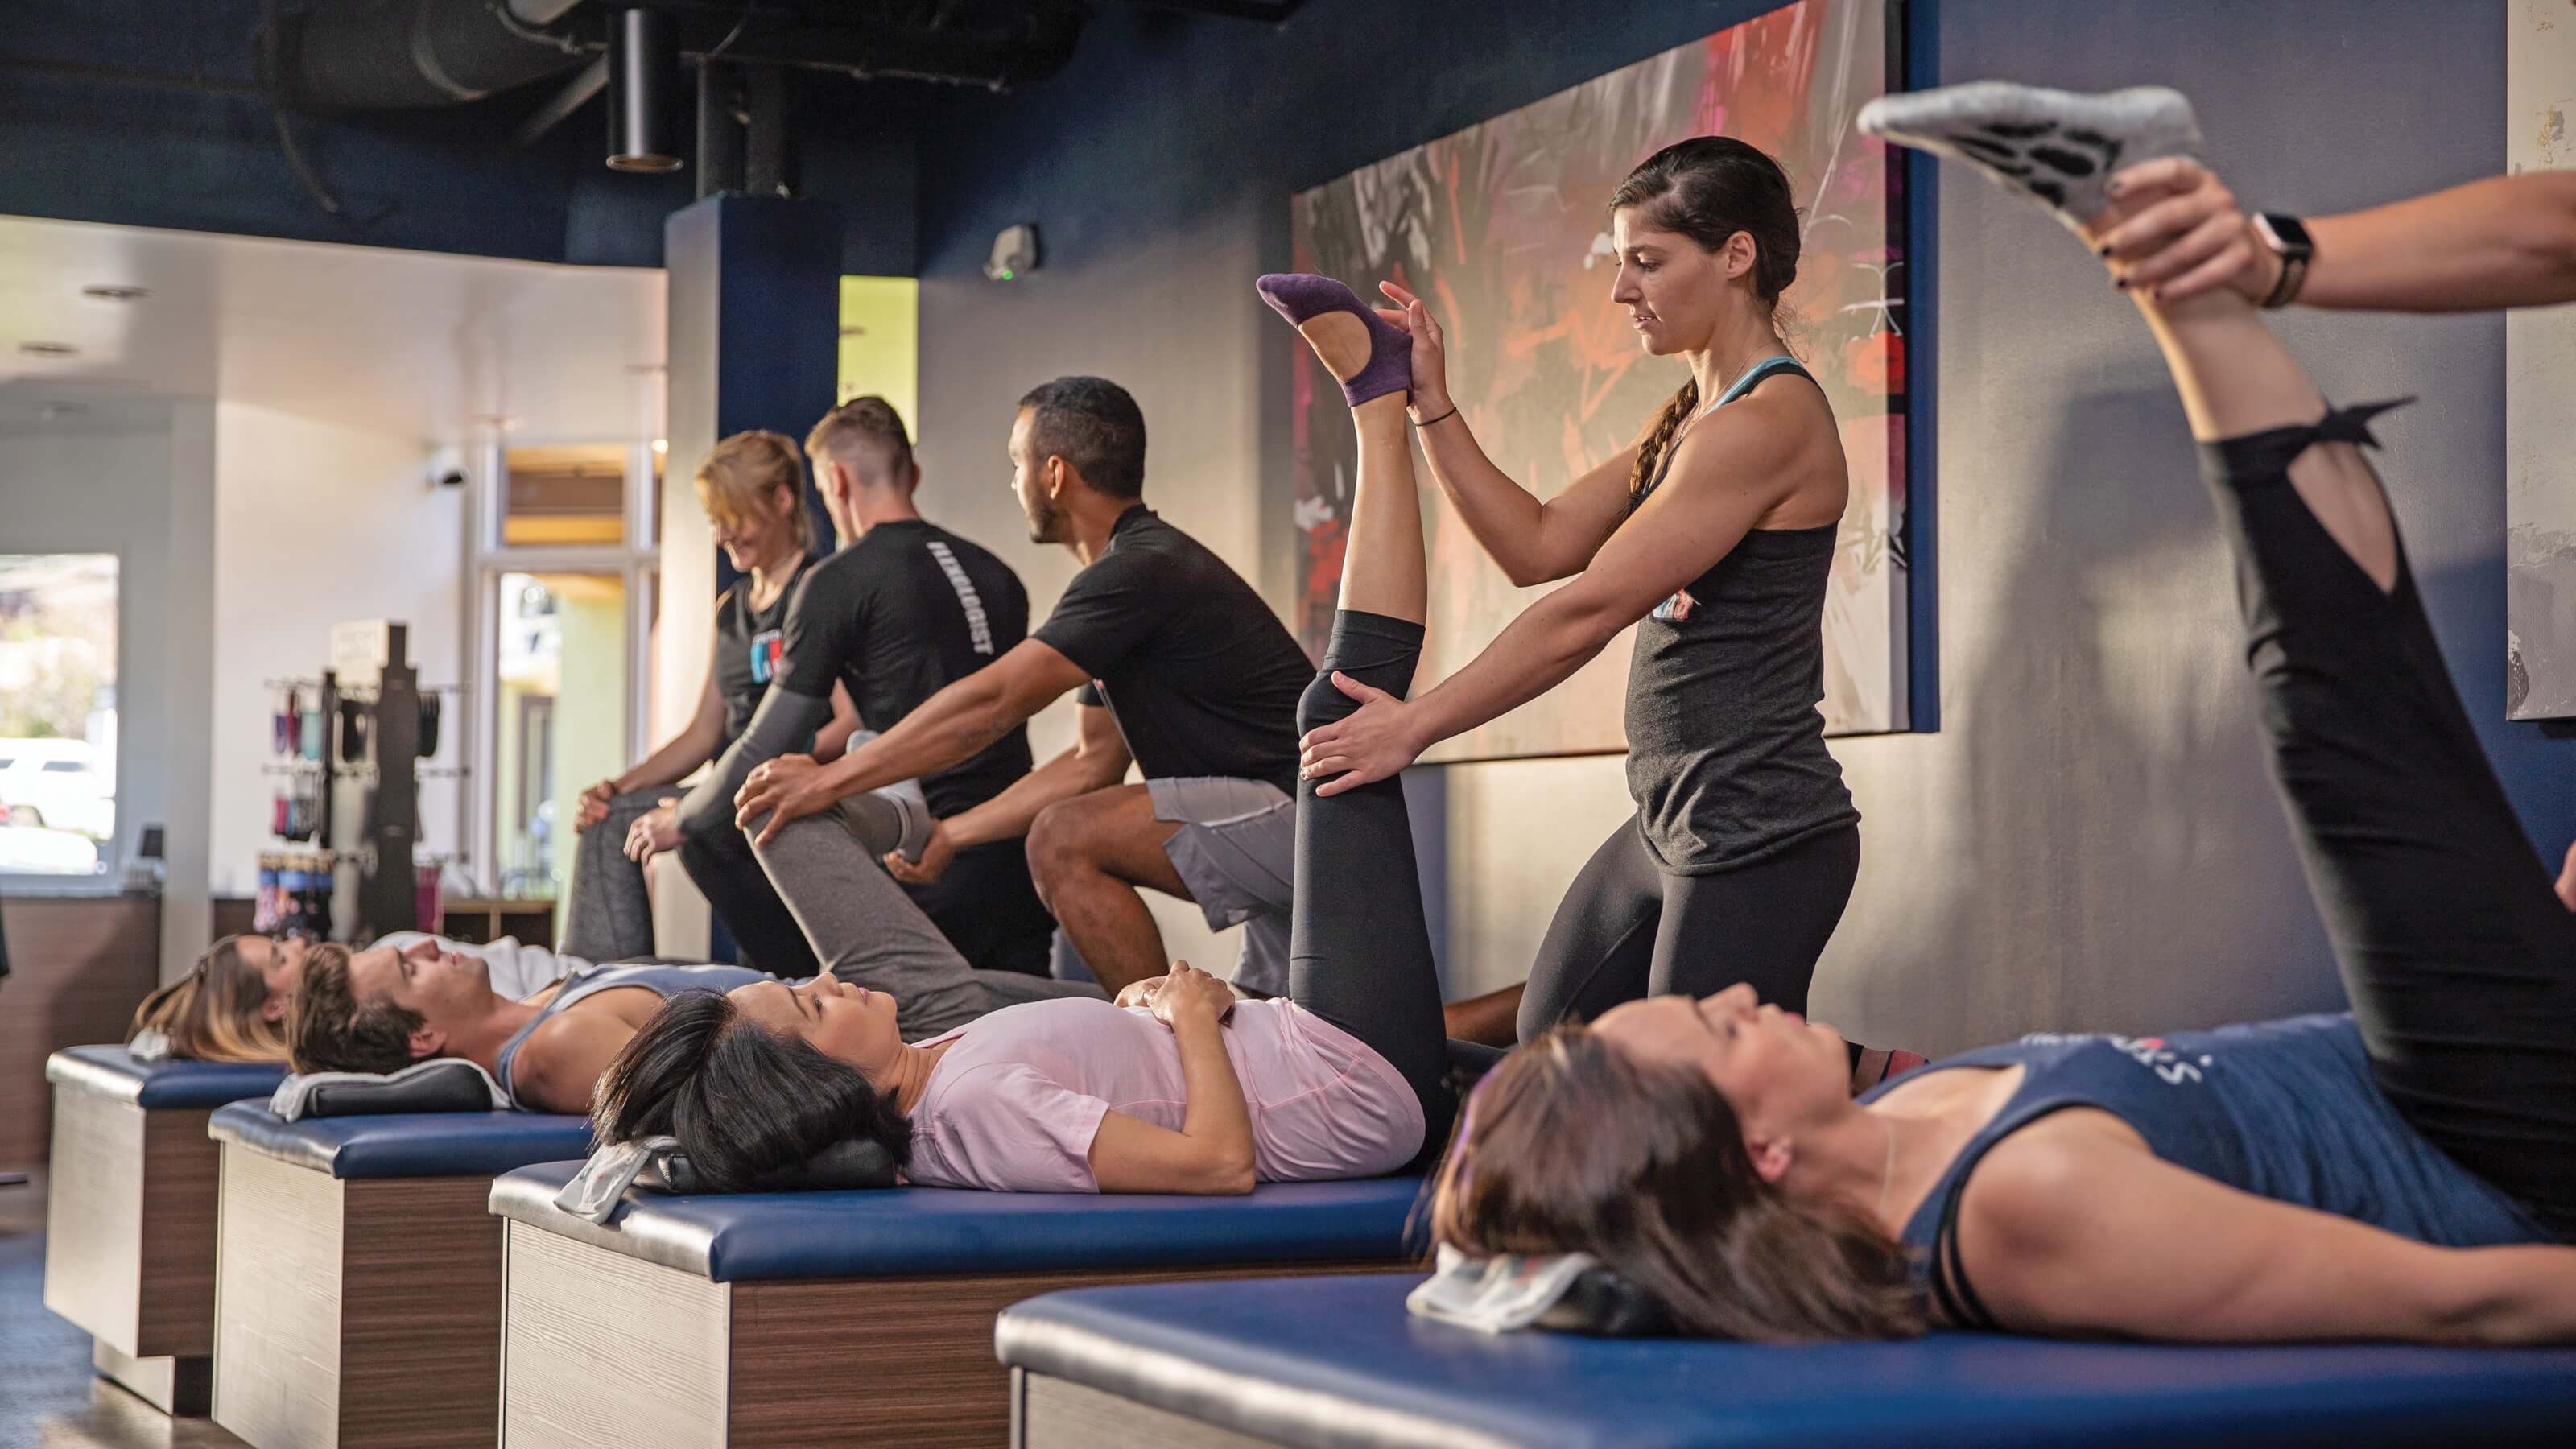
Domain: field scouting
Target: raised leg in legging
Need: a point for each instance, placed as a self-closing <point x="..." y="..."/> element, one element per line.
<point x="1360" y="954"/>
<point x="2458" y="956"/>
<point x="2456" y="952"/>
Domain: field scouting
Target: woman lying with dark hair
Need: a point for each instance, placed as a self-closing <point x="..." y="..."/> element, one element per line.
<point x="1176" y="1087"/>
<point x="2404" y="1171"/>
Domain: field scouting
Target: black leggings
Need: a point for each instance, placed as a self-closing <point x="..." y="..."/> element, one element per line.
<point x="1359" y="953"/>
<point x="987" y="906"/>
<point x="1629" y="928"/>
<point x="2457" y="955"/>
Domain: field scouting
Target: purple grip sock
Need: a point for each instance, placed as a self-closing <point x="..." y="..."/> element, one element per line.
<point x="1298" y="296"/>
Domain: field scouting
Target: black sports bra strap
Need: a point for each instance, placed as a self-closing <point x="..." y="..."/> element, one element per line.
<point x="1950" y="1287"/>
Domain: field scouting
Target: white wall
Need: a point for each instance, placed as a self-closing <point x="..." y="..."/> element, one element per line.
<point x="315" y="524"/>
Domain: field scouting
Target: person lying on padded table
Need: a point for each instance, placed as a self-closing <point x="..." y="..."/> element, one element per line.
<point x="2406" y="1170"/>
<point x="382" y="1010"/>
<point x="1177" y="1087"/>
<point x="232" y="1004"/>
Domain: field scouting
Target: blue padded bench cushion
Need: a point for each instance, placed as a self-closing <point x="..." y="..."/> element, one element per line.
<point x="902" y="1232"/>
<point x="112" y="1071"/>
<point x="405" y="1144"/>
<point x="1337" y="1361"/>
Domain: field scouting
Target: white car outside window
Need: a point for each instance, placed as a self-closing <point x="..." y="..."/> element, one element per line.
<point x="57" y="785"/>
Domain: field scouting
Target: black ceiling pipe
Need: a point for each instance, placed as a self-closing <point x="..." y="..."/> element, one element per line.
<point x="370" y="55"/>
<point x="363" y="55"/>
<point x="643" y="72"/>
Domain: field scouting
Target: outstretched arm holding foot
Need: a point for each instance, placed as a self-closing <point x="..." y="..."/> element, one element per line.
<point x="2452" y="948"/>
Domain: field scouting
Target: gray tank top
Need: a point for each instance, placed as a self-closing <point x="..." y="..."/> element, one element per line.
<point x="664" y="981"/>
<point x="1726" y="745"/>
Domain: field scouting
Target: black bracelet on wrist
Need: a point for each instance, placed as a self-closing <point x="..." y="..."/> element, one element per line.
<point x="2285" y="288"/>
<point x="1444" y="417"/>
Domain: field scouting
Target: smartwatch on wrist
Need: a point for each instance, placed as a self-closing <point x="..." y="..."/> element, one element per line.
<point x="2288" y="239"/>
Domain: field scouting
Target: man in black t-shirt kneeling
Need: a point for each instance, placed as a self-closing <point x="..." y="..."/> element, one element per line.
<point x="1183" y="671"/>
<point x="904" y="609"/>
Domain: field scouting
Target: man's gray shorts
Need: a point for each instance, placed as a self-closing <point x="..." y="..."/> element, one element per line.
<point x="1237" y="852"/>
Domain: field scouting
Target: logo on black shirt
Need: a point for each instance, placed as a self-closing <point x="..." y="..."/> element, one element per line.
<point x="966" y="595"/>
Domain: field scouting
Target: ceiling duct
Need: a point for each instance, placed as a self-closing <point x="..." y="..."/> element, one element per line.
<point x="364" y="55"/>
<point x="372" y="55"/>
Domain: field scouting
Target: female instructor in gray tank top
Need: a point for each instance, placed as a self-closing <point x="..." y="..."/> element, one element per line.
<point x="1714" y="535"/>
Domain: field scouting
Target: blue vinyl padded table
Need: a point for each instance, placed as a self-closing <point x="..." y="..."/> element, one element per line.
<point x="167" y="1085"/>
<point x="1337" y="1361"/>
<point x="404" y="1144"/>
<point x="910" y="1231"/>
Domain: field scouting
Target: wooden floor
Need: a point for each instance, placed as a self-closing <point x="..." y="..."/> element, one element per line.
<point x="49" y="1399"/>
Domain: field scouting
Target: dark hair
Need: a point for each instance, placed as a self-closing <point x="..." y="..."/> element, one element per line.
<point x="864" y="423"/>
<point x="335" y="1031"/>
<point x="1571" y="1145"/>
<point x="212" y="1014"/>
<point x="1708" y="188"/>
<point x="1093" y="424"/>
<point x="742" y="1100"/>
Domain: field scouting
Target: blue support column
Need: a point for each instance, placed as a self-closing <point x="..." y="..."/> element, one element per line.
<point x="755" y="329"/>
<point x="754" y="342"/>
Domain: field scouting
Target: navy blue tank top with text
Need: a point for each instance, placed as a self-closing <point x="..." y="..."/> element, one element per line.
<point x="2286" y="1110"/>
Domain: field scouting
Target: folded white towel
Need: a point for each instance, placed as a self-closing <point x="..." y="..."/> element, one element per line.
<point x="1494" y="1295"/>
<point x="594" y="1191"/>
<point x="294" y="1096"/>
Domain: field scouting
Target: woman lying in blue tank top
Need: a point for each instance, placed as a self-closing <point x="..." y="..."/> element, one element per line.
<point x="2403" y="1171"/>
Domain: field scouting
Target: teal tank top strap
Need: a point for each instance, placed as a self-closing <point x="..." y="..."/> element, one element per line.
<point x="1771" y="366"/>
<point x="1768" y="367"/>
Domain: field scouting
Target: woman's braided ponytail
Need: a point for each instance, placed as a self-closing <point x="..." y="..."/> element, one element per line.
<point x="1658" y="438"/>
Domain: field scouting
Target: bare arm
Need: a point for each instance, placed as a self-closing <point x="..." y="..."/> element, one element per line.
<point x="833" y="740"/>
<point x="943" y="731"/>
<point x="693" y="746"/>
<point x="561" y="1061"/>
<point x="2067" y="1228"/>
<point x="1098" y="760"/>
<point x="1729" y="473"/>
<point x="2507" y="241"/>
<point x="1532" y="541"/>
<point x="1212" y="1153"/>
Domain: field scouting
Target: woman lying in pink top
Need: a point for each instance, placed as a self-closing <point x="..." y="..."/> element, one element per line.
<point x="1177" y="1086"/>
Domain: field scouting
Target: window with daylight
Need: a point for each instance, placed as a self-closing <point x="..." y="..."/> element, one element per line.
<point x="57" y="713"/>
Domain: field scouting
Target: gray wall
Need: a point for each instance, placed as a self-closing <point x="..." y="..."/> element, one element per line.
<point x="2089" y="840"/>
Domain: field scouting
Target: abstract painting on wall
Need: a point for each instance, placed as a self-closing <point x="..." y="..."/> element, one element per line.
<point x="1503" y="228"/>
<point x="2540" y="375"/>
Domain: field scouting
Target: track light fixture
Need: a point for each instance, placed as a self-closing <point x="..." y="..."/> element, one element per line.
<point x="643" y="72"/>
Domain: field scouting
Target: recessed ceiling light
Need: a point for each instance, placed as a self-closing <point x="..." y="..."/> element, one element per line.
<point x="107" y="292"/>
<point x="48" y="349"/>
